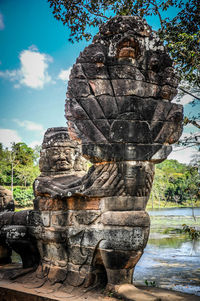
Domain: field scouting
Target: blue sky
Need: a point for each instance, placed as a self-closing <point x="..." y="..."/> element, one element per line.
<point x="35" y="60"/>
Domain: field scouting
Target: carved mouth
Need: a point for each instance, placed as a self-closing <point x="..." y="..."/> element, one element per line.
<point x="126" y="52"/>
<point x="128" y="48"/>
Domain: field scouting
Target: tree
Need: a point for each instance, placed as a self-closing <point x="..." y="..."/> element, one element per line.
<point x="23" y="154"/>
<point x="176" y="182"/>
<point x="19" y="165"/>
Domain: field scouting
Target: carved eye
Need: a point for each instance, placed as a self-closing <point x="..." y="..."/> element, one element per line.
<point x="99" y="57"/>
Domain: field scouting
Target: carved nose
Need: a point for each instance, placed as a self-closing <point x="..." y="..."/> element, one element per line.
<point x="62" y="156"/>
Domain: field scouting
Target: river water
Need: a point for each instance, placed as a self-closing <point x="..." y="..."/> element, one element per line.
<point x="175" y="212"/>
<point x="171" y="260"/>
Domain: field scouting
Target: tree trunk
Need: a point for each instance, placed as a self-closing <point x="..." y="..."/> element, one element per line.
<point x="12" y="167"/>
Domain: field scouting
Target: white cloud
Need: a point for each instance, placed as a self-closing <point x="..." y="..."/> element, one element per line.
<point x="183" y="155"/>
<point x="35" y="143"/>
<point x="2" y="26"/>
<point x="7" y="137"/>
<point x="64" y="74"/>
<point x="30" y="125"/>
<point x="184" y="100"/>
<point x="33" y="70"/>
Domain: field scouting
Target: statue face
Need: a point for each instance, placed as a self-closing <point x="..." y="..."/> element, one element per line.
<point x="57" y="159"/>
<point x="60" y="158"/>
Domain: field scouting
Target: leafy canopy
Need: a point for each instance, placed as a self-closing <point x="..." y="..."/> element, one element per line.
<point x="181" y="32"/>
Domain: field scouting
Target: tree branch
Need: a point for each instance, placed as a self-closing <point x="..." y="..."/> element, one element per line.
<point x="93" y="13"/>
<point x="193" y="122"/>
<point x="189" y="93"/>
<point x="154" y="3"/>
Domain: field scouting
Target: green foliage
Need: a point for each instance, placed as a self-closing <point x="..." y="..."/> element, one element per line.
<point x="23" y="196"/>
<point x="182" y="35"/>
<point x="150" y="283"/>
<point x="22" y="154"/>
<point x="181" y="32"/>
<point x="22" y="161"/>
<point x="176" y="183"/>
<point x="191" y="231"/>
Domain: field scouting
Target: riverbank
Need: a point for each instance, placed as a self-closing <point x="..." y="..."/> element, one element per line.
<point x="155" y="204"/>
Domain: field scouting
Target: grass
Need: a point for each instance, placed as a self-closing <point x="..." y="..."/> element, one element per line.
<point x="174" y="221"/>
<point x="163" y="204"/>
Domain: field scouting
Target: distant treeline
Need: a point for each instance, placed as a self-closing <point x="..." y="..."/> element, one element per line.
<point x="174" y="183"/>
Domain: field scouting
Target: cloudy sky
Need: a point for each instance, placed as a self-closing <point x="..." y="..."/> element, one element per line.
<point x="35" y="62"/>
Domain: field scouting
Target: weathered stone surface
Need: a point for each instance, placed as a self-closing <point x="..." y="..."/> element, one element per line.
<point x="130" y="292"/>
<point x="57" y="274"/>
<point x="126" y="218"/>
<point x="6" y="200"/>
<point x="112" y="238"/>
<point x="123" y="203"/>
<point x="120" y="151"/>
<point x="120" y="259"/>
<point x="59" y="219"/>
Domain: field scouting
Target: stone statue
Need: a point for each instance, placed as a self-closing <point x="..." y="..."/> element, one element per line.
<point x="119" y="112"/>
<point x="6" y="200"/>
<point x="6" y="204"/>
<point x="91" y="226"/>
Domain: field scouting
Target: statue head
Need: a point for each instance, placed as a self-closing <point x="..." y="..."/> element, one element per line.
<point x="58" y="152"/>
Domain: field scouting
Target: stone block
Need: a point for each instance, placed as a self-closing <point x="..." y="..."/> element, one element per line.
<point x="74" y="111"/>
<point x="90" y="130"/>
<point x="94" y="53"/>
<point x="51" y="234"/>
<point x="120" y="259"/>
<point x="59" y="219"/>
<point x="123" y="152"/>
<point x="125" y="72"/>
<point x="95" y="71"/>
<point x="126" y="218"/>
<point x="86" y="217"/>
<point x="128" y="131"/>
<point x="6" y="218"/>
<point x="79" y="255"/>
<point x="92" y="108"/>
<point x="57" y="274"/>
<point x="83" y="204"/>
<point x="77" y="72"/>
<point x="109" y="106"/>
<point x="137" y="88"/>
<point x="120" y="203"/>
<point x="79" y="88"/>
<point x="101" y="87"/>
<point x="56" y="253"/>
<point x="45" y="217"/>
<point x="49" y="204"/>
<point x="113" y="238"/>
<point x="119" y="276"/>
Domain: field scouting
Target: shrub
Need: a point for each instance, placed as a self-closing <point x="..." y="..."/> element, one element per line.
<point x="23" y="196"/>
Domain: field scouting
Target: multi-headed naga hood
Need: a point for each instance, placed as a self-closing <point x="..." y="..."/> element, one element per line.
<point x="119" y="95"/>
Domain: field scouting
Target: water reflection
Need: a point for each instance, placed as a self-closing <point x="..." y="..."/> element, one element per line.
<point x="172" y="261"/>
<point x="175" y="211"/>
